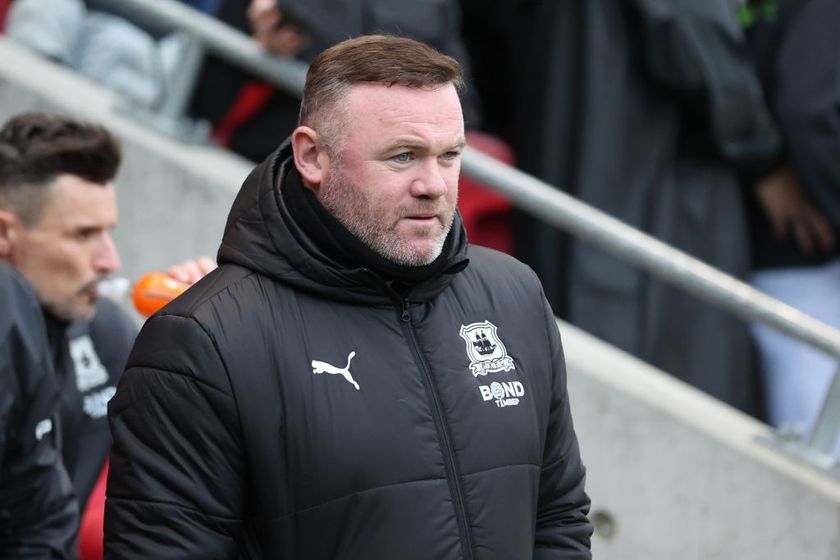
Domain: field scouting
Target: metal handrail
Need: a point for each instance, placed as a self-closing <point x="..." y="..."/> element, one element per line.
<point x="219" y="38"/>
<point x="672" y="265"/>
<point x="554" y="206"/>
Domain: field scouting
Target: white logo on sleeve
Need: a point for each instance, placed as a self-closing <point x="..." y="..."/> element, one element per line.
<point x="323" y="367"/>
<point x="42" y="428"/>
<point x="485" y="349"/>
<point x="89" y="370"/>
<point x="95" y="404"/>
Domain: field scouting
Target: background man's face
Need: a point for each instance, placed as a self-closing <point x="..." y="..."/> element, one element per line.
<point x="395" y="182"/>
<point x="69" y="250"/>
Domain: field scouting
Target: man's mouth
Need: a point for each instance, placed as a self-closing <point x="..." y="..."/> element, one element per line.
<point x="91" y="288"/>
<point x="423" y="215"/>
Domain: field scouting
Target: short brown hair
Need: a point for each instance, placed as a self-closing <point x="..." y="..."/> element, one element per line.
<point x="35" y="148"/>
<point x="384" y="59"/>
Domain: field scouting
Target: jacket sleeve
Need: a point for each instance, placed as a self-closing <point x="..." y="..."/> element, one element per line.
<point x="39" y="514"/>
<point x="698" y="51"/>
<point x="175" y="486"/>
<point x="563" y="528"/>
<point x="808" y="102"/>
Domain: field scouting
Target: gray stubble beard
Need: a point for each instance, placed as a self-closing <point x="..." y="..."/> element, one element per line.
<point x="385" y="243"/>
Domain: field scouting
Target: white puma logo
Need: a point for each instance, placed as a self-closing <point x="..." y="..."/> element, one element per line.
<point x="323" y="367"/>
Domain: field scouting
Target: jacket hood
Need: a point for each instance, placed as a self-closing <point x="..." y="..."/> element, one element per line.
<point x="261" y="235"/>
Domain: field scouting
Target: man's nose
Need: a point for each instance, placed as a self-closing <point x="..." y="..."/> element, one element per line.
<point x="432" y="180"/>
<point x="106" y="260"/>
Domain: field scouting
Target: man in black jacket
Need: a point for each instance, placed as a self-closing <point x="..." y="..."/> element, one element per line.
<point x="57" y="208"/>
<point x="39" y="513"/>
<point x="349" y="384"/>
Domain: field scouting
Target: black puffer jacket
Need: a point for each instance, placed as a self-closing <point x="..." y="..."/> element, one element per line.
<point x="286" y="408"/>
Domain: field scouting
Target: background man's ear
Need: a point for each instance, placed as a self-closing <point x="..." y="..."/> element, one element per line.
<point x="310" y="156"/>
<point x="8" y="224"/>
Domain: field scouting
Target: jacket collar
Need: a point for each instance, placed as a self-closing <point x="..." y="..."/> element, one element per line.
<point x="262" y="235"/>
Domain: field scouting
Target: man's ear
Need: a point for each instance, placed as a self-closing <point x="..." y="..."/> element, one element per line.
<point x="311" y="157"/>
<point x="8" y="231"/>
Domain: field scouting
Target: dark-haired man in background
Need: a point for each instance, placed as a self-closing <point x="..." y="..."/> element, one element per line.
<point x="349" y="383"/>
<point x="57" y="209"/>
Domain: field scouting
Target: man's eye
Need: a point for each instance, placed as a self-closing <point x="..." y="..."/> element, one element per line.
<point x="451" y="155"/>
<point x="404" y="157"/>
<point x="84" y="234"/>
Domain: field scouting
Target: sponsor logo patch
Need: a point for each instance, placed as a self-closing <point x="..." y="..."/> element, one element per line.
<point x="505" y="393"/>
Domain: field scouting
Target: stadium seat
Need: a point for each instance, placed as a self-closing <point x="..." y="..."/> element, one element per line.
<point x="4" y="9"/>
<point x="486" y="214"/>
<point x="91" y="533"/>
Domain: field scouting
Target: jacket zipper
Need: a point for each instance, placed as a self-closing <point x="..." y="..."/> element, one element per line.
<point x="453" y="475"/>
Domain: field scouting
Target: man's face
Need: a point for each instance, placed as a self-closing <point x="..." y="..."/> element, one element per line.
<point x="69" y="250"/>
<point x="394" y="184"/>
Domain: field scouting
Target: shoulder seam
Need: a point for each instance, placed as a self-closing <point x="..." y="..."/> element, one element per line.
<point x="137" y="501"/>
<point x="184" y="374"/>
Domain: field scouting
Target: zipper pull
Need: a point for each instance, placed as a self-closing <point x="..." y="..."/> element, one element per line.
<point x="406" y="311"/>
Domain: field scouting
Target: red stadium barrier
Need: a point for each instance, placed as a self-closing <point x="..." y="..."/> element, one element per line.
<point x="4" y="9"/>
<point x="91" y="533"/>
<point x="486" y="214"/>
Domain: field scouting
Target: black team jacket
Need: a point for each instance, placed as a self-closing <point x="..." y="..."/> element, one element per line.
<point x="292" y="405"/>
<point x="88" y="357"/>
<point x="38" y="510"/>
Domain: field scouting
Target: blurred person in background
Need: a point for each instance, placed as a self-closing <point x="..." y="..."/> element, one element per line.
<point x="249" y="115"/>
<point x="796" y="210"/>
<point x="108" y="45"/>
<point x="652" y="112"/>
<point x="57" y="210"/>
<point x="39" y="512"/>
<point x="488" y="30"/>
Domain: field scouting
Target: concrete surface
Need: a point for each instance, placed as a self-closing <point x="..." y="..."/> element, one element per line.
<point x="675" y="474"/>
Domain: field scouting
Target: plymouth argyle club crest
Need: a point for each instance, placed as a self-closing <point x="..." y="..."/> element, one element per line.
<point x="486" y="351"/>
